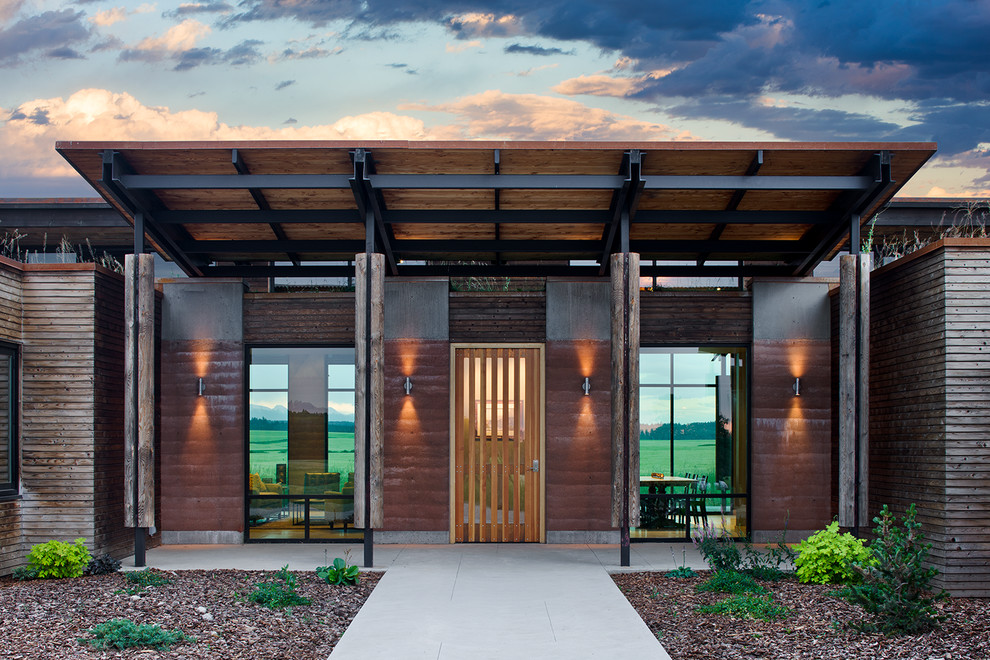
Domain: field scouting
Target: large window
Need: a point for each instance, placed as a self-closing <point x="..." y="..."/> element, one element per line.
<point x="693" y="435"/>
<point x="301" y="444"/>
<point x="8" y="420"/>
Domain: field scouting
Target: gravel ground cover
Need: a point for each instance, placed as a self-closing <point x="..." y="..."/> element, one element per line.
<point x="44" y="618"/>
<point x="818" y="626"/>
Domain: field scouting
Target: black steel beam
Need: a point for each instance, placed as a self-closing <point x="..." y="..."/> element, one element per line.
<point x="259" y="199"/>
<point x="114" y="168"/>
<point x="496" y="181"/>
<point x="498" y="216"/>
<point x="490" y="181"/>
<point x="499" y="270"/>
<point x="408" y="248"/>
<point x="718" y="182"/>
<point x="368" y="201"/>
<point x="280" y="216"/>
<point x="733" y="217"/>
<point x="235" y="181"/>
<point x="619" y="208"/>
<point x="268" y="246"/>
<point x="878" y="170"/>
<point x="314" y="216"/>
<point x="737" y="196"/>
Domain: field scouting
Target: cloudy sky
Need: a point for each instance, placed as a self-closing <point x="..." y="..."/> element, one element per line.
<point x="495" y="69"/>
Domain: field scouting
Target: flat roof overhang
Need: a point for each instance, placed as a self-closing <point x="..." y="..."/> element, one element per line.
<point x="496" y="208"/>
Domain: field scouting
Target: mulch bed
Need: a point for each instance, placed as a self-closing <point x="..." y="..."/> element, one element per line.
<point x="45" y="618"/>
<point x="817" y="628"/>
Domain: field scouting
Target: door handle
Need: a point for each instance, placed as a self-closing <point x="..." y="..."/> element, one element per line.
<point x="536" y="466"/>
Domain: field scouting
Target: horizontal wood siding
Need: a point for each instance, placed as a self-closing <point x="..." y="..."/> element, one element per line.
<point x="57" y="405"/>
<point x="967" y="420"/>
<point x="930" y="403"/>
<point x="695" y="317"/>
<point x="509" y="316"/>
<point x="312" y="317"/>
<point x="10" y="301"/>
<point x="907" y="395"/>
<point x="11" y="548"/>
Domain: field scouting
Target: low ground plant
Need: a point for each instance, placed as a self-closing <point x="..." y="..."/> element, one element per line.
<point x="278" y="593"/>
<point x="681" y="570"/>
<point x="826" y="557"/>
<point x="124" y="633"/>
<point x="731" y="582"/>
<point x="339" y="572"/>
<point x="747" y="606"/>
<point x="896" y="581"/>
<point x="141" y="580"/>
<point x="58" y="559"/>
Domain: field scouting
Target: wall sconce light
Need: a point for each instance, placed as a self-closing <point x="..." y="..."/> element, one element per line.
<point x="797" y="387"/>
<point x="407" y="386"/>
<point x="200" y="388"/>
<point x="586" y="386"/>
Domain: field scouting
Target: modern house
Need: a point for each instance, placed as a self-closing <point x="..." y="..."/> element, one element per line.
<point x="497" y="342"/>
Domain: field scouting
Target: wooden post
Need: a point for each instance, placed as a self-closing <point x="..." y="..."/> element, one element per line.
<point x="854" y="387"/>
<point x="625" y="396"/>
<point x="139" y="391"/>
<point x="369" y="341"/>
<point x="863" y="268"/>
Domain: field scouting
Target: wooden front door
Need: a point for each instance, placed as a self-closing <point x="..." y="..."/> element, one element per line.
<point x="497" y="443"/>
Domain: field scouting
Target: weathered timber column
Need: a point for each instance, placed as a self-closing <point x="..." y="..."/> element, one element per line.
<point x="625" y="397"/>
<point x="854" y="390"/>
<point x="369" y="341"/>
<point x="139" y="398"/>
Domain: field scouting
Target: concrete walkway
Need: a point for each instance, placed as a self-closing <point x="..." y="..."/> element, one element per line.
<point x="472" y="601"/>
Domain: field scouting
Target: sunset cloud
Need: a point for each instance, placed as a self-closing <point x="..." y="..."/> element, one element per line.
<point x="98" y="114"/>
<point x="178" y="37"/>
<point x="495" y="114"/>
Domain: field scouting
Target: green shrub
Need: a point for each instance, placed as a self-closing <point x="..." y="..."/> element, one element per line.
<point x="747" y="606"/>
<point x="102" y="565"/>
<point x="339" y="572"/>
<point x="895" y="580"/>
<point x="57" y="559"/>
<point x="278" y="594"/>
<point x="123" y="633"/>
<point x="827" y="556"/>
<point x="731" y="582"/>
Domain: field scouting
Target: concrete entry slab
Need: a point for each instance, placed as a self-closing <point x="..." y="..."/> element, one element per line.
<point x="497" y="601"/>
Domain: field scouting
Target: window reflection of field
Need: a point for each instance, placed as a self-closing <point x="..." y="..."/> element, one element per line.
<point x="269" y="448"/>
<point x="692" y="456"/>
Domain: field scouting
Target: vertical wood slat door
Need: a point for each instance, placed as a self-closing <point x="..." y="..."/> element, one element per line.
<point x="497" y="444"/>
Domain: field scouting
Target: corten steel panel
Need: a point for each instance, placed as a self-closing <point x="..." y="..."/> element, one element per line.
<point x="791" y="435"/>
<point x="417" y="435"/>
<point x="578" y="436"/>
<point x="202" y="474"/>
